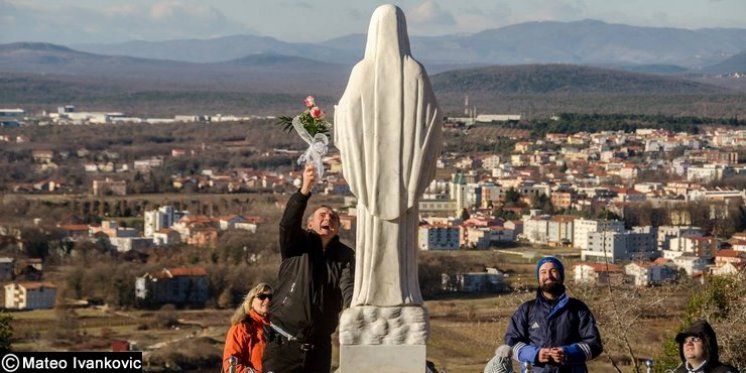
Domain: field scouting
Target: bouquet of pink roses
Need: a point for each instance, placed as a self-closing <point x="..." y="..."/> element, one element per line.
<point x="312" y="119"/>
<point x="314" y="130"/>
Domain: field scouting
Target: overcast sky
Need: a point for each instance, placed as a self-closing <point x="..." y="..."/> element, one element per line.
<point x="85" y="21"/>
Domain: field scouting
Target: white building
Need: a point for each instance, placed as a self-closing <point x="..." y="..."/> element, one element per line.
<point x="668" y="232"/>
<point x="166" y="236"/>
<point x="708" y="173"/>
<point x="536" y="228"/>
<point x="691" y="264"/>
<point x="703" y="247"/>
<point x="438" y="237"/>
<point x="649" y="273"/>
<point x="583" y="227"/>
<point x="616" y="246"/>
<point x="162" y="218"/>
<point x="30" y="295"/>
<point x="123" y="244"/>
<point x="596" y="273"/>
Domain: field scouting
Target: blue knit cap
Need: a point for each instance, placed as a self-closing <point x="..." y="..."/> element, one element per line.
<point x="556" y="262"/>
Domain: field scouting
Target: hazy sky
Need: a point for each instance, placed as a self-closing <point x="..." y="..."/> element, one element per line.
<point x="82" y="21"/>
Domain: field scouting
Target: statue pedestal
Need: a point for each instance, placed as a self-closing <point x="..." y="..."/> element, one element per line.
<point x="383" y="339"/>
<point x="382" y="358"/>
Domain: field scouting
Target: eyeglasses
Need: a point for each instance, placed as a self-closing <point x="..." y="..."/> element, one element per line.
<point x="692" y="340"/>
<point x="264" y="296"/>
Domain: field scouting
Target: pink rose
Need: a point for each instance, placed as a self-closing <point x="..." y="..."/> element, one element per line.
<point x="316" y="113"/>
<point x="309" y="101"/>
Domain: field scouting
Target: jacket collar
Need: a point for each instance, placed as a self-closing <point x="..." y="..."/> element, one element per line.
<point x="556" y="306"/>
<point x="261" y="320"/>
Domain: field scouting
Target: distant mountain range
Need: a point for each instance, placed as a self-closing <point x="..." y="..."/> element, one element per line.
<point x="269" y="73"/>
<point x="586" y="42"/>
<point x="255" y="73"/>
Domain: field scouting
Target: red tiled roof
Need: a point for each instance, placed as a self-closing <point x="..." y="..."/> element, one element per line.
<point x="731" y="254"/>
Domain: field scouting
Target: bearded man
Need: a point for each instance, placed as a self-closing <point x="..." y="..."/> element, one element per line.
<point x="553" y="333"/>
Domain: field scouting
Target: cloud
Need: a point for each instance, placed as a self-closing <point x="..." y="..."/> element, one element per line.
<point x="161" y="20"/>
<point x="429" y="18"/>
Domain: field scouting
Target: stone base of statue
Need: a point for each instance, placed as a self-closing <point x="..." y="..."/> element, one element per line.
<point x="383" y="339"/>
<point x="382" y="358"/>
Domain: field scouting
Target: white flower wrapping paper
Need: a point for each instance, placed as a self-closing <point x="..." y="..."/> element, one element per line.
<point x="318" y="146"/>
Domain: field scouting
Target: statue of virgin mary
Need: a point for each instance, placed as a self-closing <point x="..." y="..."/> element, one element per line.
<point x="387" y="127"/>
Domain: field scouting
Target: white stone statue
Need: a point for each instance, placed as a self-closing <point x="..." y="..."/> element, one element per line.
<point x="387" y="127"/>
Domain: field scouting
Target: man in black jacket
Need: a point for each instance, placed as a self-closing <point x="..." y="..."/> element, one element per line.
<point x="315" y="283"/>
<point x="698" y="348"/>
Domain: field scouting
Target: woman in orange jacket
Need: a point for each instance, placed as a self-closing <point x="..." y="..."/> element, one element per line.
<point x="245" y="340"/>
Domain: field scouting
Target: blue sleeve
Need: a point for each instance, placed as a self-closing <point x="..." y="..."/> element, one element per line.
<point x="517" y="337"/>
<point x="590" y="345"/>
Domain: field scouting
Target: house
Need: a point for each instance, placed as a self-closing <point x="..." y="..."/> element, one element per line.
<point x="729" y="269"/>
<point x="230" y="221"/>
<point x="729" y="256"/>
<point x="124" y="244"/>
<point x="109" y="187"/>
<point x="690" y="263"/>
<point x="30" y="295"/>
<point x="597" y="274"/>
<point x="165" y="237"/>
<point x="649" y="273"/>
<point x="179" y="286"/>
<point x="207" y="236"/>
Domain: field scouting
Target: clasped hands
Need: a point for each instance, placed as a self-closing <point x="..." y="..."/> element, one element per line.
<point x="551" y="355"/>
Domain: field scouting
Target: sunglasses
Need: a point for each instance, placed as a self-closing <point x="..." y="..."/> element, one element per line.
<point x="264" y="296"/>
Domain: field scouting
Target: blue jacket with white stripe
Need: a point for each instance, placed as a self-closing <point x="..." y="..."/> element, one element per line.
<point x="566" y="322"/>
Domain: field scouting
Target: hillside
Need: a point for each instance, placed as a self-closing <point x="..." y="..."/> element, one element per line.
<point x="551" y="79"/>
<point x="255" y="73"/>
<point x="734" y="64"/>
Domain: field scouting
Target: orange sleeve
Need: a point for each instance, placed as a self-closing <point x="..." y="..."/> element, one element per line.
<point x="238" y="344"/>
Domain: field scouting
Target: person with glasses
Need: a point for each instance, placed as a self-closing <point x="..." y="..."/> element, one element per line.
<point x="698" y="349"/>
<point x="244" y="344"/>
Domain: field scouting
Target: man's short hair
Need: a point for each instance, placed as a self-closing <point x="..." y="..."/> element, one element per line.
<point x="335" y="214"/>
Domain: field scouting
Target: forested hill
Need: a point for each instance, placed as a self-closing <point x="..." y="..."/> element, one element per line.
<point x="556" y="78"/>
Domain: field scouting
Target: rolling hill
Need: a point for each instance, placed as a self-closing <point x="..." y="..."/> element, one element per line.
<point x="563" y="79"/>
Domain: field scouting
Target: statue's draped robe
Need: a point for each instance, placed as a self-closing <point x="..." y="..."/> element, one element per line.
<point x="388" y="130"/>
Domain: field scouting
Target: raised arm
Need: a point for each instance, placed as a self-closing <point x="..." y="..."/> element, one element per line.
<point x="291" y="225"/>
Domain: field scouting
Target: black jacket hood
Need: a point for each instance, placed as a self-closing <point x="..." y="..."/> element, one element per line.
<point x="703" y="330"/>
